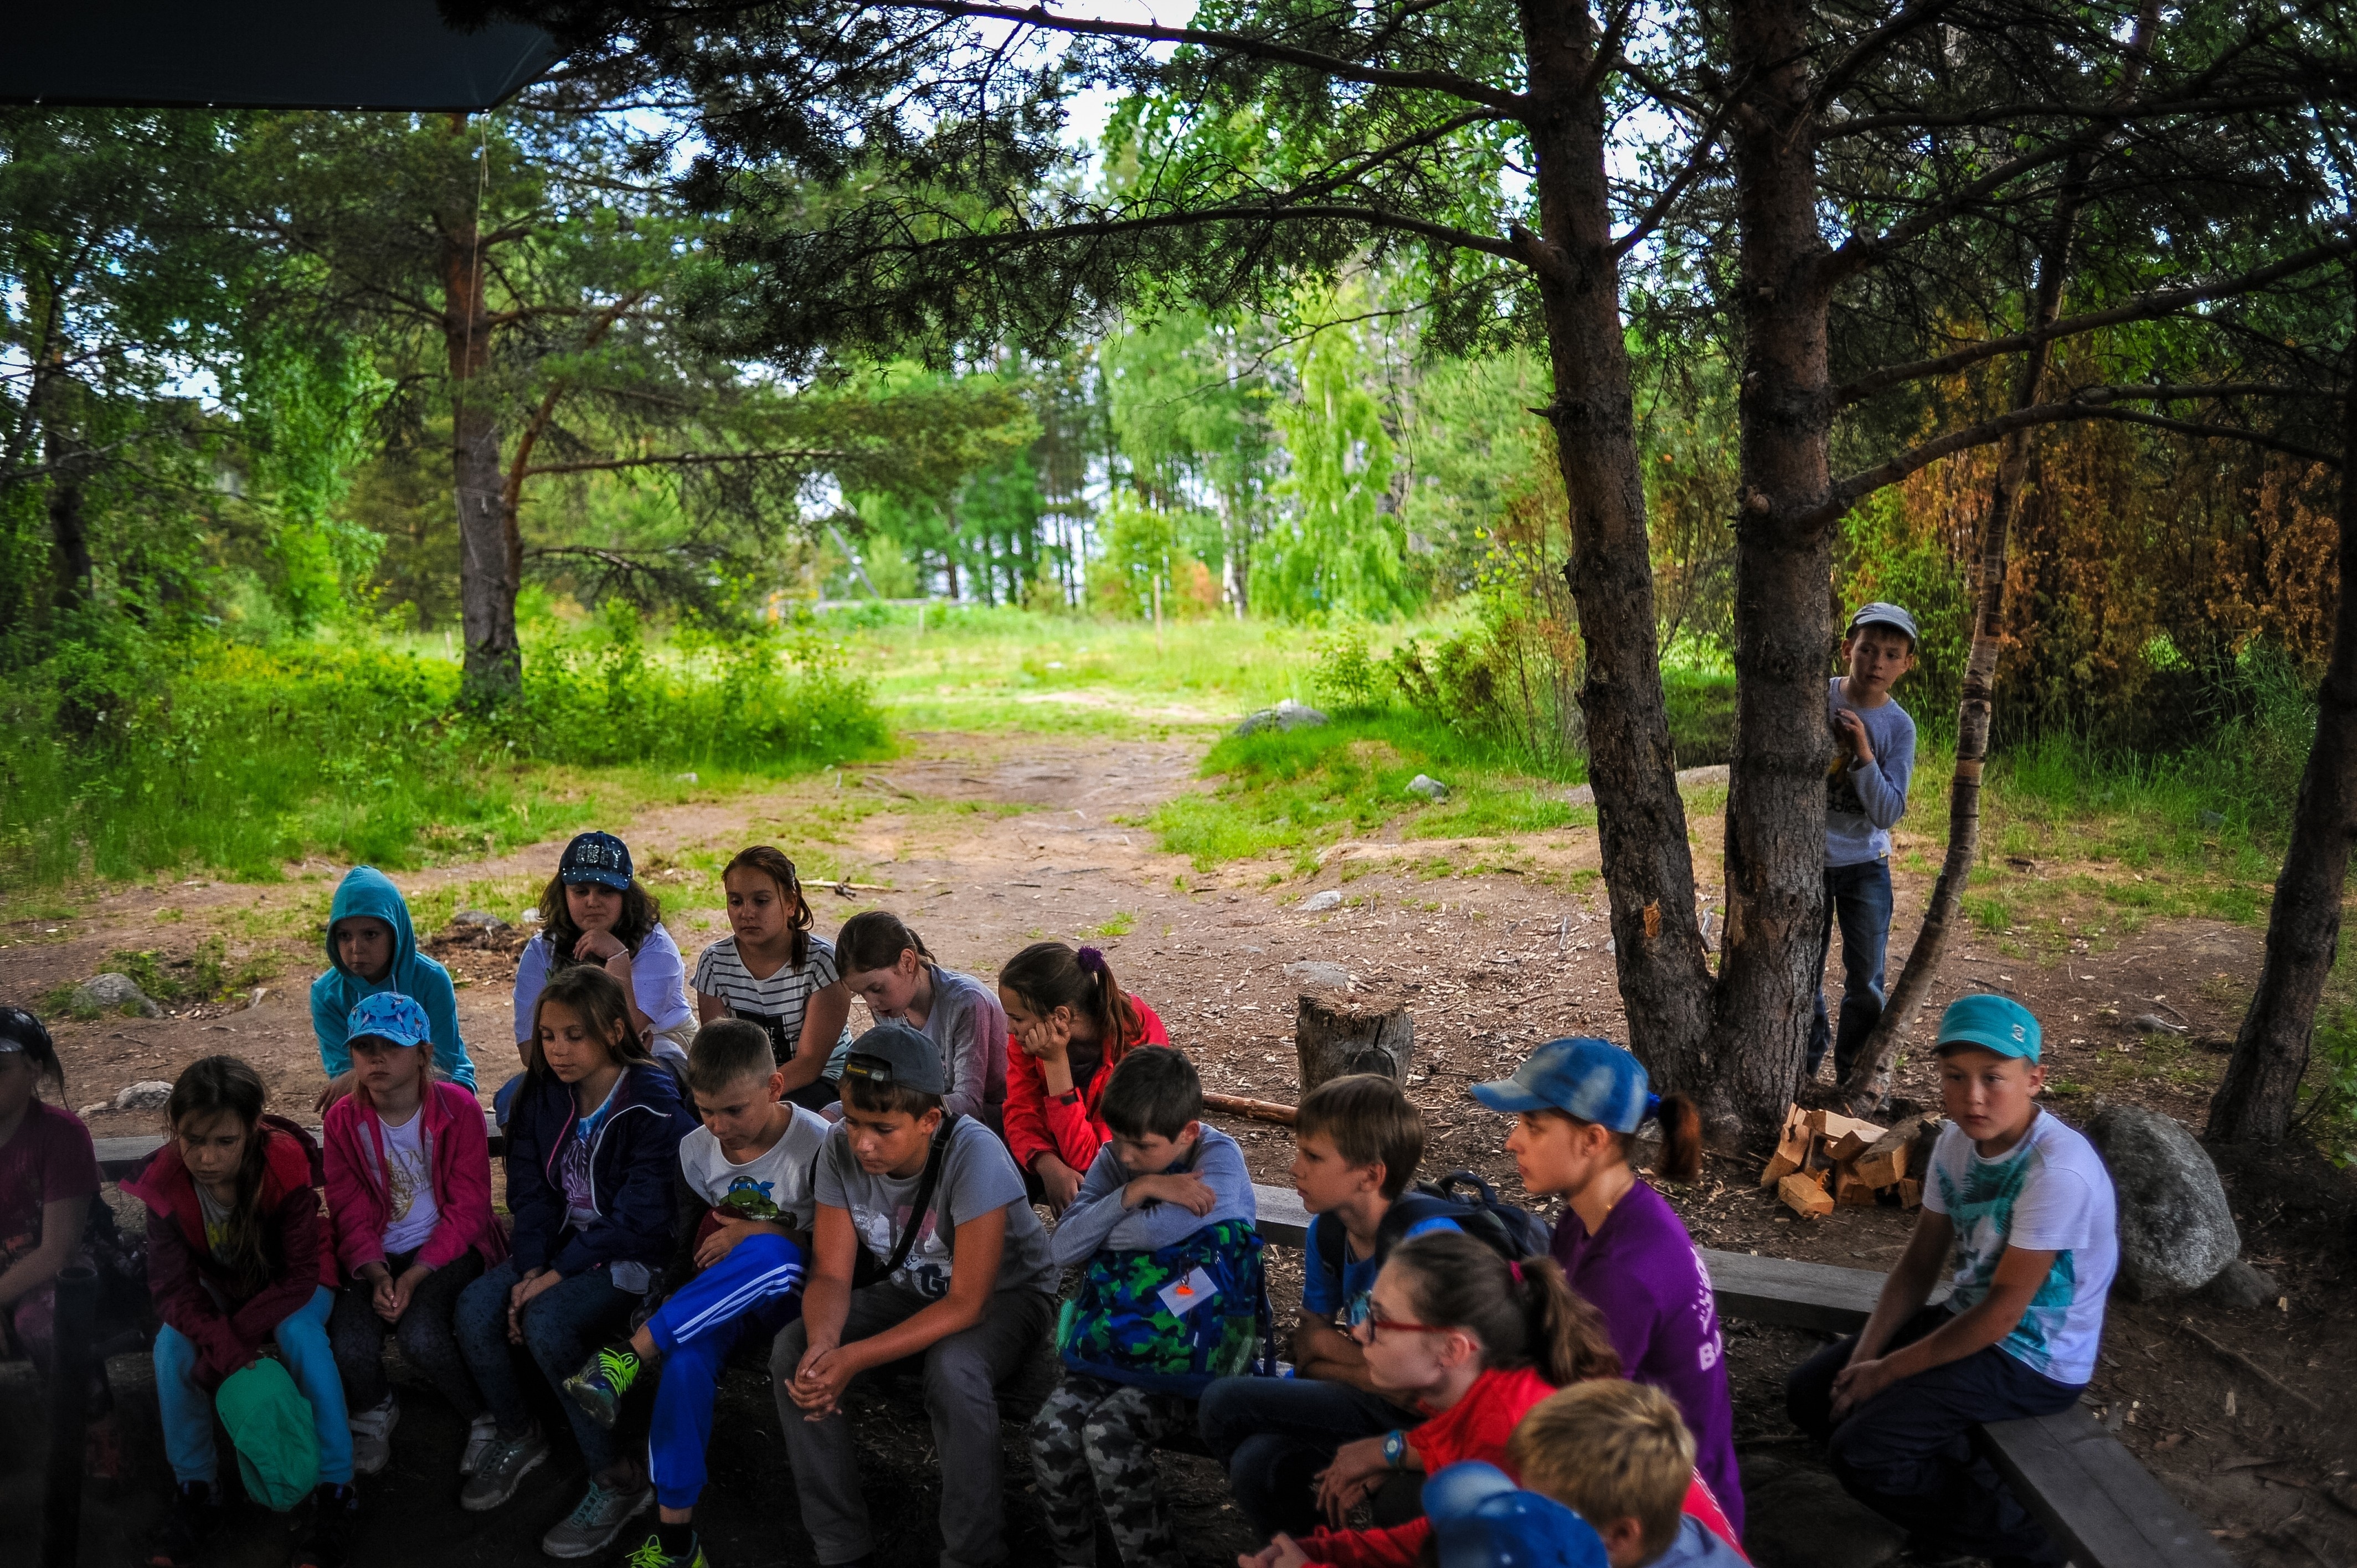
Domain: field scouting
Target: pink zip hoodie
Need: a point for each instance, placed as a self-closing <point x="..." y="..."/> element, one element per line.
<point x="462" y="1180"/>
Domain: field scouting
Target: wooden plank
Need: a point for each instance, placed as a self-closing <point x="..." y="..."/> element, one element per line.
<point x="117" y="1158"/>
<point x="1283" y="1221"/>
<point x="2095" y="1497"/>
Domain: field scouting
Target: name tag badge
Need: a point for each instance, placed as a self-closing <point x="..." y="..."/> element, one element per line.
<point x="1180" y="1297"/>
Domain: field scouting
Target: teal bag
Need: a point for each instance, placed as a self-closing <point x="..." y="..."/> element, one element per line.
<point x="1173" y="1319"/>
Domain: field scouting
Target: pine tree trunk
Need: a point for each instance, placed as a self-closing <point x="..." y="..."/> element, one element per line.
<point x="2255" y="1101"/>
<point x="1641" y="821"/>
<point x="488" y="553"/>
<point x="1775" y="807"/>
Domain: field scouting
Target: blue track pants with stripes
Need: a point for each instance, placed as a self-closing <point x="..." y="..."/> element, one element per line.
<point x="756" y="1290"/>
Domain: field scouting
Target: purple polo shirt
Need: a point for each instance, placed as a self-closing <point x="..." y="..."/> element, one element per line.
<point x="1642" y="1273"/>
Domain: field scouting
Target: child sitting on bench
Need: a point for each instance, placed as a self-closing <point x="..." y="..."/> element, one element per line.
<point x="2021" y="1207"/>
<point x="1618" y="1454"/>
<point x="963" y="1282"/>
<point x="1150" y="1211"/>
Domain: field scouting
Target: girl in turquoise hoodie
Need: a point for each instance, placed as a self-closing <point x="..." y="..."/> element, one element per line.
<point x="370" y="947"/>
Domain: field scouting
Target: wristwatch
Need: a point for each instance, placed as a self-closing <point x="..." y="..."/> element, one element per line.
<point x="1394" y="1448"/>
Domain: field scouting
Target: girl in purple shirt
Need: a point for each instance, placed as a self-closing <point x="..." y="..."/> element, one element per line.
<point x="1578" y="1104"/>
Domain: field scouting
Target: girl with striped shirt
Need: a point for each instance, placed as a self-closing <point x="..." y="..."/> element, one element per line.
<point x="772" y="972"/>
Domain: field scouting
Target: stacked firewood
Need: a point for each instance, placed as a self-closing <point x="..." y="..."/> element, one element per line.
<point x="1825" y="1160"/>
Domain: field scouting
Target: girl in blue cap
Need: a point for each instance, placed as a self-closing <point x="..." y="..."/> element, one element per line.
<point x="594" y="910"/>
<point x="1578" y="1104"/>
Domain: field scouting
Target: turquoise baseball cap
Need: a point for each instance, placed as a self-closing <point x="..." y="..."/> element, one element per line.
<point x="1997" y="1023"/>
<point x="1593" y="1079"/>
<point x="1481" y="1519"/>
<point x="388" y="1015"/>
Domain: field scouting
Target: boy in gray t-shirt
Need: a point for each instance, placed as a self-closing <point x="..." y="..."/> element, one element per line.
<point x="1866" y="794"/>
<point x="972" y="1294"/>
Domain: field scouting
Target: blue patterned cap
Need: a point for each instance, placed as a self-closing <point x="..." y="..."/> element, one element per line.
<point x="600" y="858"/>
<point x="388" y="1015"/>
<point x="1593" y="1079"/>
<point x="1481" y="1519"/>
<point x="1997" y="1023"/>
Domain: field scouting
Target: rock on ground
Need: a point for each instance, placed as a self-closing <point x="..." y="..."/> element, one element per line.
<point x="1795" y="1515"/>
<point x="148" y="1094"/>
<point x="2240" y="1285"/>
<point x="2176" y="1230"/>
<point x="107" y="993"/>
<point x="1287" y="714"/>
<point x="1318" y="973"/>
<point x="1425" y="784"/>
<point x="1329" y="899"/>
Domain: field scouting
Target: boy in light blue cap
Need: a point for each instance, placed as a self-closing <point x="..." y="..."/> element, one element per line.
<point x="1866" y="794"/>
<point x="2019" y="1207"/>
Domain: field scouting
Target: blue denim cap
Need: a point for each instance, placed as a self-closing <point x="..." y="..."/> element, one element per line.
<point x="600" y="858"/>
<point x="1997" y="1023"/>
<point x="388" y="1015"/>
<point x="1593" y="1079"/>
<point x="1481" y="1519"/>
<point x="1880" y="614"/>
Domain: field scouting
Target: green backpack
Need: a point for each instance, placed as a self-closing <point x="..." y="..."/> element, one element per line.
<point x="1173" y="1319"/>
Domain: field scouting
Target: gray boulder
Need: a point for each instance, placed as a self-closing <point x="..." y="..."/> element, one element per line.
<point x="2176" y="1230"/>
<point x="147" y="1095"/>
<point x="1331" y="898"/>
<point x="479" y="920"/>
<point x="110" y="992"/>
<point x="2240" y="1285"/>
<point x="1318" y="974"/>
<point x="1425" y="784"/>
<point x="1287" y="714"/>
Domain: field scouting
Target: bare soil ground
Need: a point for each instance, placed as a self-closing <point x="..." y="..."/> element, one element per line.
<point x="990" y="842"/>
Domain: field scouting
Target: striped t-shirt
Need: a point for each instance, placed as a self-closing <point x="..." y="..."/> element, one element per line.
<point x="776" y="1004"/>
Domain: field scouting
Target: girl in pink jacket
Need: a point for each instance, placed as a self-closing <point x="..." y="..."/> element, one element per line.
<point x="409" y="1193"/>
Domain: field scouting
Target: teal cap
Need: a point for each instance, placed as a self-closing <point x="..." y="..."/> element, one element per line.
<point x="1997" y="1023"/>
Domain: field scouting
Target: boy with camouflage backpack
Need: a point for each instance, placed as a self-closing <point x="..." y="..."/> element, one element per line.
<point x="1172" y="1296"/>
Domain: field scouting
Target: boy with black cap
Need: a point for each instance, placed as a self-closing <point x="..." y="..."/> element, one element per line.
<point x="966" y="1282"/>
<point x="2020" y="1204"/>
<point x="1866" y="794"/>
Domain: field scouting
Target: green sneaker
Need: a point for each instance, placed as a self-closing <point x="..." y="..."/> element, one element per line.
<point x="598" y="1386"/>
<point x="648" y="1554"/>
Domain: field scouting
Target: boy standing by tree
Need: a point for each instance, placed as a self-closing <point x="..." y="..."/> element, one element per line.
<point x="967" y="1285"/>
<point x="2024" y="1206"/>
<point x="1866" y="794"/>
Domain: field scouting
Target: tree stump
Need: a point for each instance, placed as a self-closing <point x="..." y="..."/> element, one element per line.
<point x="1331" y="1041"/>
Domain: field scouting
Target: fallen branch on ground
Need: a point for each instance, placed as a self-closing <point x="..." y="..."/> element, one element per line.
<point x="1251" y="1110"/>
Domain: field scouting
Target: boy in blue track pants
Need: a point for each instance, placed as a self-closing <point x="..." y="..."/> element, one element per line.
<point x="751" y="1162"/>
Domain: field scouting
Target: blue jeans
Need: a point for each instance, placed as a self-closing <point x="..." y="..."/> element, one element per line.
<point x="561" y="1326"/>
<point x="1860" y="896"/>
<point x="752" y="1293"/>
<point x="1274" y="1434"/>
<point x="1907" y="1452"/>
<point x="187" y="1409"/>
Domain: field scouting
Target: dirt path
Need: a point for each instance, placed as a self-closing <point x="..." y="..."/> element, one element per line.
<point x="989" y="843"/>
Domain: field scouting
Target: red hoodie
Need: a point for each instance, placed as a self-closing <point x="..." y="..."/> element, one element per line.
<point x="1066" y="1125"/>
<point x="193" y="1290"/>
<point x="461" y="1176"/>
<point x="1476" y="1427"/>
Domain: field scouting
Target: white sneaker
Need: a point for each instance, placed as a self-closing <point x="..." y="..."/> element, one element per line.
<point x="372" y="1436"/>
<point x="479" y="1437"/>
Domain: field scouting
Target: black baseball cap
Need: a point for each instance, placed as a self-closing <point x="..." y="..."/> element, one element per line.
<point x="600" y="858"/>
<point x="894" y="1053"/>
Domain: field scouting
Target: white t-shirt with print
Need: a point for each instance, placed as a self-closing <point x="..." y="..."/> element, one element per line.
<point x="977" y="1175"/>
<point x="410" y="1212"/>
<point x="2049" y="1193"/>
<point x="778" y="1002"/>
<point x="771" y="1186"/>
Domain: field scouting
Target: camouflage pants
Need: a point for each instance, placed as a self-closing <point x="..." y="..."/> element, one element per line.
<point x="1096" y="1439"/>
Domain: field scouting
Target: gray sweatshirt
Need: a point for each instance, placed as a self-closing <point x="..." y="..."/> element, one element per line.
<point x="1097" y="1219"/>
<point x="1863" y="804"/>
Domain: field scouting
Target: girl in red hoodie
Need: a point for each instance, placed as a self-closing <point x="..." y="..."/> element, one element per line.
<point x="237" y="1255"/>
<point x="1069" y="1024"/>
<point x="409" y="1187"/>
<point x="1459" y="1332"/>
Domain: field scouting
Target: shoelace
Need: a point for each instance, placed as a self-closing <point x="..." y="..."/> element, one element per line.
<point x="620" y="1369"/>
<point x="648" y="1554"/>
<point x="584" y="1513"/>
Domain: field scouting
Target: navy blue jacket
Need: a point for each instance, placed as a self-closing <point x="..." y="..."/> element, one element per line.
<point x="633" y="1167"/>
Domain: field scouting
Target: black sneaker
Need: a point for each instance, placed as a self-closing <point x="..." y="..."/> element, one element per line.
<point x="334" y="1510"/>
<point x="195" y="1515"/>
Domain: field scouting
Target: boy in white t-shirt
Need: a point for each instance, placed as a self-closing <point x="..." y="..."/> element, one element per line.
<point x="2020" y="1207"/>
<point x="750" y="1162"/>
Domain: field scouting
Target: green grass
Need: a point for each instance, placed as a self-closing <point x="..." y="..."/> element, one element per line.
<point x="1302" y="789"/>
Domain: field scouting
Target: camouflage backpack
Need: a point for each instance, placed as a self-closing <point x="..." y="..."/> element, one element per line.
<point x="1173" y="1319"/>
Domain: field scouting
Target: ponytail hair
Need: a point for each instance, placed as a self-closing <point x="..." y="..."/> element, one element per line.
<point x="772" y="863"/>
<point x="1523" y="1313"/>
<point x="1681" y="1138"/>
<point x="876" y="939"/>
<point x="207" y="1088"/>
<point x="1049" y="975"/>
<point x="598" y="999"/>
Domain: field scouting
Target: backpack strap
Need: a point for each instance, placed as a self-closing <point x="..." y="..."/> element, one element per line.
<point x="1412" y="1208"/>
<point x="935" y="1159"/>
